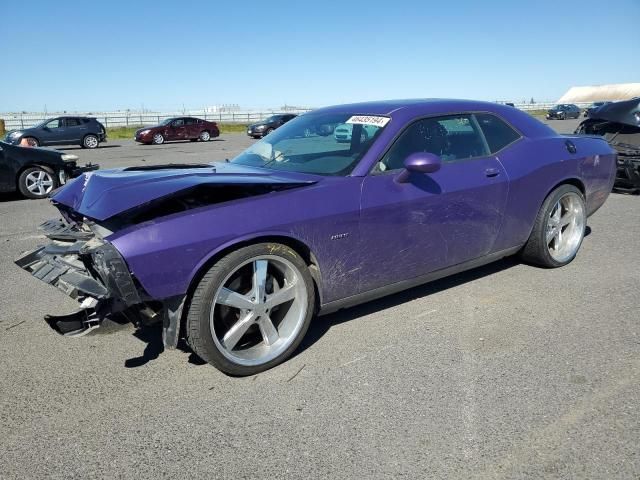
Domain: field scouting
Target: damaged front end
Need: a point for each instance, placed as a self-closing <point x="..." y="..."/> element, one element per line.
<point x="89" y="269"/>
<point x="619" y="124"/>
<point x="104" y="211"/>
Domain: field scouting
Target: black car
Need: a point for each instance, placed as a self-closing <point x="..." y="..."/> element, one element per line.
<point x="593" y="107"/>
<point x="36" y="172"/>
<point x="563" y="111"/>
<point x="260" y="129"/>
<point x="84" y="131"/>
<point x="619" y="124"/>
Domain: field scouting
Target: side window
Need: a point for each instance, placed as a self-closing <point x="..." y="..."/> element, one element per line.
<point x="178" y="123"/>
<point x="453" y="137"/>
<point x="189" y="121"/>
<point x="54" y="123"/>
<point x="497" y="133"/>
<point x="72" y="122"/>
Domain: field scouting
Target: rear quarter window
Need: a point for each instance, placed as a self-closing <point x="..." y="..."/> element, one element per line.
<point x="497" y="132"/>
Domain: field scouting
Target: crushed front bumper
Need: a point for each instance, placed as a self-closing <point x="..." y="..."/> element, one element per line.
<point x="87" y="269"/>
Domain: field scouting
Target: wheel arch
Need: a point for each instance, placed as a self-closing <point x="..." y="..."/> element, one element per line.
<point x="35" y="137"/>
<point x="52" y="169"/>
<point x="299" y="246"/>
<point x="576" y="182"/>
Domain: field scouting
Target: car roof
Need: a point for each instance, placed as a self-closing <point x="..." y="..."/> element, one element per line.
<point x="405" y="110"/>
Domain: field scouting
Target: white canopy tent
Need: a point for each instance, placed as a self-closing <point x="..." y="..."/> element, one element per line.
<point x="594" y="93"/>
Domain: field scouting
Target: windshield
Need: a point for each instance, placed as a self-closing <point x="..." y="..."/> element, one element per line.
<point x="322" y="144"/>
<point x="167" y="121"/>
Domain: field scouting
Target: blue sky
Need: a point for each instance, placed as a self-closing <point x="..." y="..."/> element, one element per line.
<point x="79" y="55"/>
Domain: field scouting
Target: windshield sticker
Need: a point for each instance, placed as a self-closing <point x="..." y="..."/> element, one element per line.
<point x="369" y="120"/>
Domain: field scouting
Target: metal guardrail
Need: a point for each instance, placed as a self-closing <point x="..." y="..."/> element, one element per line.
<point x="546" y="105"/>
<point x="119" y="119"/>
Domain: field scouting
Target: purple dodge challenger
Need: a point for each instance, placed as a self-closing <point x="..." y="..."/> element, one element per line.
<point x="237" y="257"/>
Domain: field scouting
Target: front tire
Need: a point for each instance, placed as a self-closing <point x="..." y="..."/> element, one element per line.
<point x="558" y="230"/>
<point x="37" y="182"/>
<point x="251" y="310"/>
<point x="158" y="139"/>
<point x="205" y="136"/>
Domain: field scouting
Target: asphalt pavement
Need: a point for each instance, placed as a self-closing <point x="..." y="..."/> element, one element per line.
<point x="507" y="371"/>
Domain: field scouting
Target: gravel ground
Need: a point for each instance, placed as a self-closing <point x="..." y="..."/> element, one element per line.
<point x="506" y="371"/>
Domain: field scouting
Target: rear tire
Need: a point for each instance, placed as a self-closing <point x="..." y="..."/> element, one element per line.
<point x="558" y="230"/>
<point x="241" y="328"/>
<point x="90" y="141"/>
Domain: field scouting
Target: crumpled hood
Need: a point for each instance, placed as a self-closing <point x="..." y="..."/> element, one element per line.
<point x="102" y="194"/>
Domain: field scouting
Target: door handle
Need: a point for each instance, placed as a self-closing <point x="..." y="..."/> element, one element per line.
<point x="492" y="172"/>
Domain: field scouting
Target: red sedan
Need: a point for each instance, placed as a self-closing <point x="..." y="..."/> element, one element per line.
<point x="180" y="128"/>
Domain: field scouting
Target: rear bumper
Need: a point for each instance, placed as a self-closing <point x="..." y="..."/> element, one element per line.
<point x="87" y="269"/>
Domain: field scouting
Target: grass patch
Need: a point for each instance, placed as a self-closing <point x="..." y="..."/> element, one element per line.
<point x="537" y="113"/>
<point x="129" y="132"/>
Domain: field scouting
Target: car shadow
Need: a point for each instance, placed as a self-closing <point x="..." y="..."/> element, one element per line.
<point x="11" y="196"/>
<point x="178" y="142"/>
<point x="321" y="325"/>
<point x="152" y="337"/>
<point x="77" y="147"/>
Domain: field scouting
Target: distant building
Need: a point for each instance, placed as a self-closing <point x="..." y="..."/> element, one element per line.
<point x="595" y="93"/>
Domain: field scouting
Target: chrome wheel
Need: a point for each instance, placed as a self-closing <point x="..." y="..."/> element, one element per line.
<point x="90" y="141"/>
<point x="158" y="139"/>
<point x="565" y="227"/>
<point x="39" y="183"/>
<point x="259" y="310"/>
<point x="205" y="136"/>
